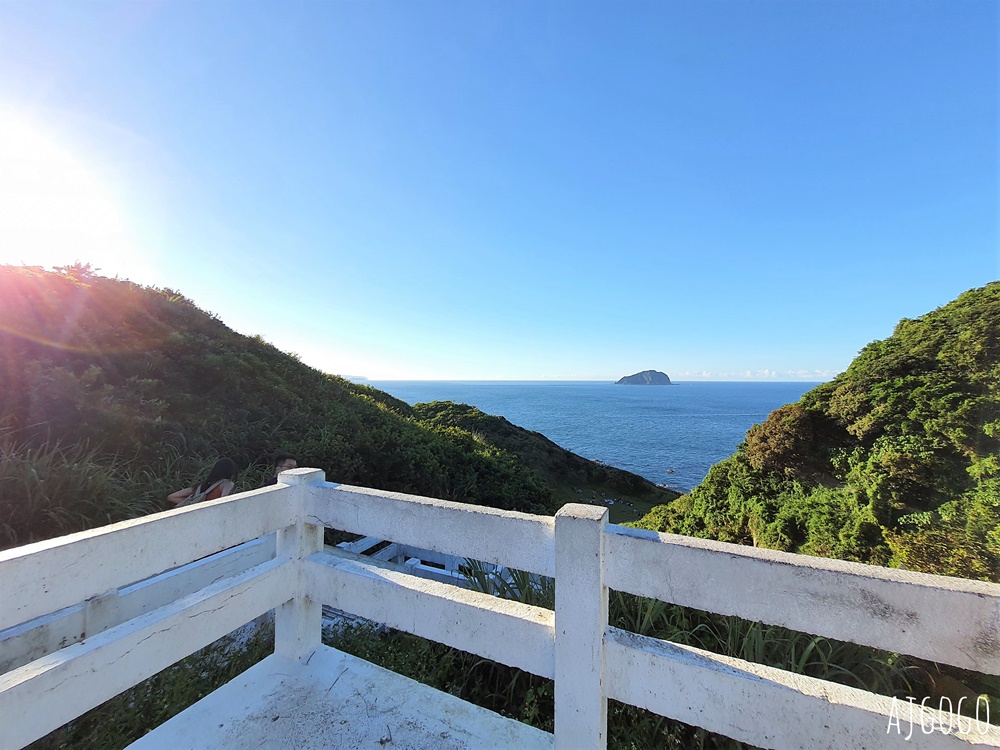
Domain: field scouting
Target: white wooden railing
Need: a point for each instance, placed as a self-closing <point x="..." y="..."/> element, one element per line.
<point x="947" y="620"/>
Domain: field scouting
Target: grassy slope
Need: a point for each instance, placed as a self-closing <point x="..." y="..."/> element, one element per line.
<point x="573" y="479"/>
<point x="112" y="369"/>
<point x="893" y="462"/>
<point x="109" y="390"/>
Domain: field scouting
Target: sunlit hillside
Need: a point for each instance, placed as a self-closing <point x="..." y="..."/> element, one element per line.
<point x="112" y="395"/>
<point x="896" y="461"/>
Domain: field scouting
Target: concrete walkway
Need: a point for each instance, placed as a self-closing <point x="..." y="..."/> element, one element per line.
<point x="336" y="701"/>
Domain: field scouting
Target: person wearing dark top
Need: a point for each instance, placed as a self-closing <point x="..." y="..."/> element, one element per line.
<point x="282" y="462"/>
<point x="220" y="482"/>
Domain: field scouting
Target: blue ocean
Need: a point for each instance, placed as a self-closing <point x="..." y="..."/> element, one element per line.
<point x="669" y="434"/>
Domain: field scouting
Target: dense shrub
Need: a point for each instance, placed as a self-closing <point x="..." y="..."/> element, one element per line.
<point x="894" y="461"/>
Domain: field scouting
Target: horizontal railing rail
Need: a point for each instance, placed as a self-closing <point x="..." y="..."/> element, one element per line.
<point x="893" y="610"/>
<point x="91" y="563"/>
<point x="41" y="580"/>
<point x="947" y="620"/>
<point x="502" y="537"/>
<point x="761" y="705"/>
<point x="509" y="632"/>
<point x="50" y="691"/>
<point x="33" y="639"/>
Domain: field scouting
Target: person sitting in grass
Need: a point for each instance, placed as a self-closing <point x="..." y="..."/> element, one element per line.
<point x="220" y="482"/>
<point x="282" y="462"/>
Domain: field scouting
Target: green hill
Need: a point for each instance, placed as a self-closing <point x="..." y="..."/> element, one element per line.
<point x="895" y="462"/>
<point x="112" y="395"/>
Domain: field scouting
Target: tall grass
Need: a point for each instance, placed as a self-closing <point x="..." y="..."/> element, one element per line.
<point x="50" y="489"/>
<point x="510" y="583"/>
<point x="770" y="645"/>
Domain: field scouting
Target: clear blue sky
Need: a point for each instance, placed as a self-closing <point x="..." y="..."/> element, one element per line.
<point x="516" y="190"/>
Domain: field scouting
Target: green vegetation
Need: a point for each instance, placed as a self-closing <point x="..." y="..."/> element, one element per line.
<point x="113" y="395"/>
<point x="894" y="462"/>
<point x="572" y="479"/>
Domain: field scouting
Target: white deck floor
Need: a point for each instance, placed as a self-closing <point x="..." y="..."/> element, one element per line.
<point x="336" y="701"/>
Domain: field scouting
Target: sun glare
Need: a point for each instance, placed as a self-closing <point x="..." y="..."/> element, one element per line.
<point x="53" y="208"/>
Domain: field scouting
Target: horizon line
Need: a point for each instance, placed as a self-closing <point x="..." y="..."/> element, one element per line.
<point x="566" y="380"/>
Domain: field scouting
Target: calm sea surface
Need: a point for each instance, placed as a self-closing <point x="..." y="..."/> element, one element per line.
<point x="669" y="434"/>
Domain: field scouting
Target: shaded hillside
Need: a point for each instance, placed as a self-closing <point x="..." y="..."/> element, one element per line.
<point x="896" y="461"/>
<point x="112" y="394"/>
<point x="572" y="478"/>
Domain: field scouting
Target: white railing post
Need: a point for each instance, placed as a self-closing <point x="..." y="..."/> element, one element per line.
<point x="298" y="622"/>
<point x="581" y="706"/>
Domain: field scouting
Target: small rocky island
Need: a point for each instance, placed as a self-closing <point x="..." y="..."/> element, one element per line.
<point x="646" y="377"/>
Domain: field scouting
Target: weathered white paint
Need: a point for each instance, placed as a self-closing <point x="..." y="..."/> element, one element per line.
<point x="94" y="562"/>
<point x="450" y="562"/>
<point x="415" y="566"/>
<point x="414" y="559"/>
<point x="394" y="551"/>
<point x="298" y="622"/>
<point x="48" y="692"/>
<point x="589" y="662"/>
<point x="43" y="635"/>
<point x="506" y="631"/>
<point x="949" y="620"/>
<point x="766" y="707"/>
<point x="360" y="546"/>
<point x="518" y="540"/>
<point x="336" y="701"/>
<point x="389" y="553"/>
<point x="581" y="705"/>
